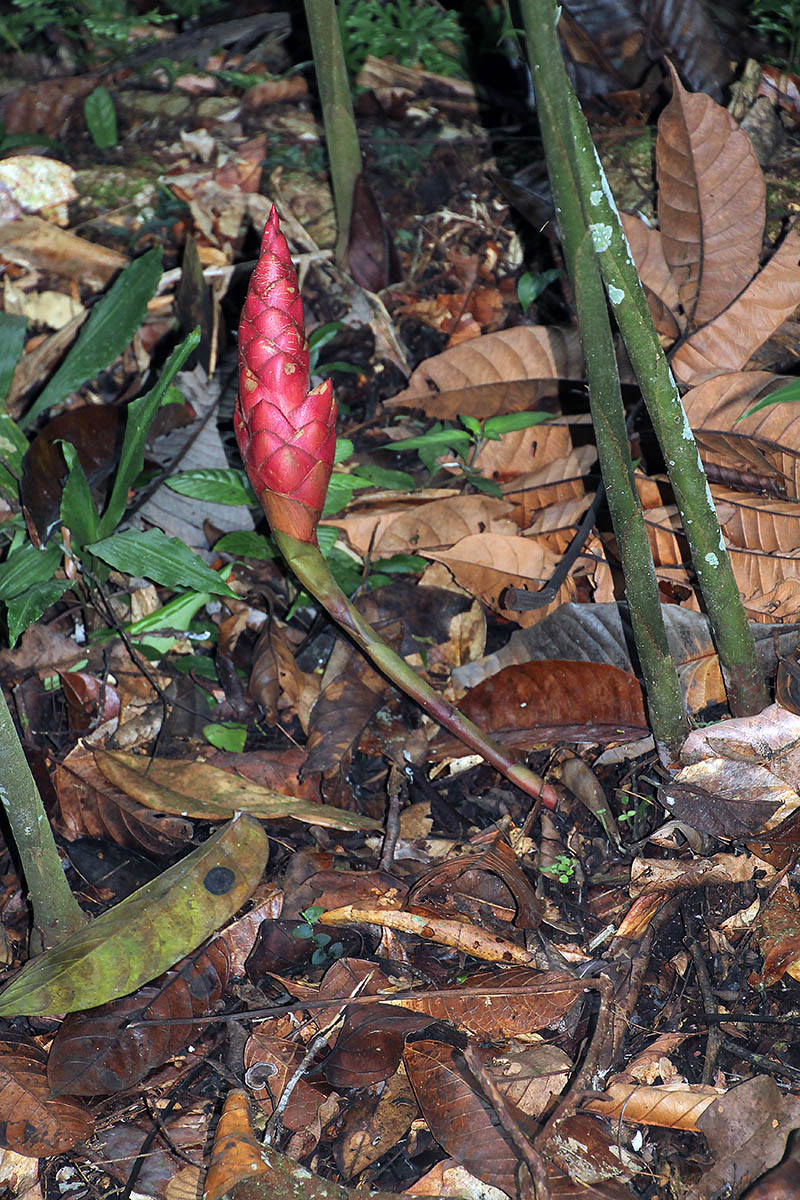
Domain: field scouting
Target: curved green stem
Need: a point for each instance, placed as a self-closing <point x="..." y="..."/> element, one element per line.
<point x="313" y="572"/>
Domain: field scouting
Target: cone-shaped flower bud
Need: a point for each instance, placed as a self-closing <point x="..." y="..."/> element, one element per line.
<point x="286" y="434"/>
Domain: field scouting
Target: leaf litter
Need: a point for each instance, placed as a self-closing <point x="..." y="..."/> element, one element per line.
<point x="431" y="970"/>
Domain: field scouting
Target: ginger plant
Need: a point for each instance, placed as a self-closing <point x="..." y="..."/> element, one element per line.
<point x="287" y="438"/>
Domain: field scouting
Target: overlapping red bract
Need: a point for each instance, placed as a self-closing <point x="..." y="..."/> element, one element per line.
<point x="286" y="433"/>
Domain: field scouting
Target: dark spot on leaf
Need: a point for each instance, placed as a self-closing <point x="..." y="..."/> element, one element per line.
<point x="219" y="880"/>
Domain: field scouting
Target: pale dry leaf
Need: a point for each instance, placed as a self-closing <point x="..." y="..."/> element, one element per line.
<point x="526" y="352"/>
<point x="732" y="338"/>
<point x="563" y="479"/>
<point x="486" y="564"/>
<point x="711" y="202"/>
<point x="524" y="450"/>
<point x="364" y="521"/>
<point x="443" y="522"/>
<point x="671" y="1107"/>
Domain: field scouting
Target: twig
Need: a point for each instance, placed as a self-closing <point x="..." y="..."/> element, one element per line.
<point x="520" y="600"/>
<point x="314" y="1046"/>
<point x="529" y="1154"/>
<point x="397" y="789"/>
<point x="714" y="1039"/>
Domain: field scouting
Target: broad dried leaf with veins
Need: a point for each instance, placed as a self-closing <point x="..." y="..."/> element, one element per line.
<point x="513" y="454"/>
<point x="671" y="1107"/>
<point x="732" y="338"/>
<point x="443" y="522"/>
<point x="711" y="202"/>
<point x="486" y="564"/>
<point x="525" y="352"/>
<point x="716" y="404"/>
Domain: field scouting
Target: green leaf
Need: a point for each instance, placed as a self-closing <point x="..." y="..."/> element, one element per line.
<point x="215" y="485"/>
<point x="246" y="544"/>
<point x="26" y="567"/>
<point x="496" y="426"/>
<point x="471" y="424"/>
<point x="489" y="486"/>
<point x="112" y="324"/>
<point x="530" y="287"/>
<point x="153" y="555"/>
<point x="101" y="118"/>
<point x="148" y="932"/>
<point x="402" y="564"/>
<point x="26" y="608"/>
<point x="138" y="418"/>
<point x="78" y="512"/>
<point x="12" y="340"/>
<point x="394" y="481"/>
<point x="344" y="449"/>
<point x="229" y="736"/>
<point x="437" y="439"/>
<point x="340" y="491"/>
<point x="789" y="394"/>
<point x="13" y="447"/>
<point x="302" y="932"/>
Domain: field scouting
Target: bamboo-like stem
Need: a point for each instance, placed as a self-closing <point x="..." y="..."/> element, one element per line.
<point x="734" y="639"/>
<point x="665" y="700"/>
<point x="311" y="569"/>
<point x="55" y="910"/>
<point x="344" y="152"/>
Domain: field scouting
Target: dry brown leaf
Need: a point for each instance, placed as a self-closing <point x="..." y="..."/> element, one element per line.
<point x="364" y="521"/>
<point x="486" y="564"/>
<point x="35" y="243"/>
<point x="769" y="440"/>
<point x="711" y="205"/>
<point x="562" y="479"/>
<point x="770" y="524"/>
<point x="526" y="352"/>
<point x="672" y="1107"/>
<point x="732" y="338"/>
<point x="524" y="450"/>
<point x="652" y="875"/>
<point x="443" y="522"/>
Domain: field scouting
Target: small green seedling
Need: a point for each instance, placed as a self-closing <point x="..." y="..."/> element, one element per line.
<point x="325" y="949"/>
<point x="563" y="868"/>
<point x="530" y="287"/>
<point x="444" y="438"/>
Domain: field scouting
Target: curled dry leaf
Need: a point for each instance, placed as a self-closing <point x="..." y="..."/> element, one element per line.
<point x="674" y="1106"/>
<point x="32" y="1121"/>
<point x="462" y="936"/>
<point x="197" y="789"/>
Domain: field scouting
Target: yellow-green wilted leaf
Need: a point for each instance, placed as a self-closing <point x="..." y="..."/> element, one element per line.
<point x="196" y="789"/>
<point x="146" y="933"/>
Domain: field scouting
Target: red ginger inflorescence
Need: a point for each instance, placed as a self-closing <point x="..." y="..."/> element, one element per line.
<point x="286" y="434"/>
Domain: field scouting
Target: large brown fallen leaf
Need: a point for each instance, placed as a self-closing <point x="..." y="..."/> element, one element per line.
<point x="146" y="933"/>
<point x="443" y="522"/>
<point x="554" y="700"/>
<point x="711" y="202"/>
<point x="450" y="383"/>
<point x="486" y="564"/>
<point x="33" y="1122"/>
<point x="732" y="338"/>
<point x="672" y="1106"/>
<point x="657" y="279"/>
<point x="195" y="789"/>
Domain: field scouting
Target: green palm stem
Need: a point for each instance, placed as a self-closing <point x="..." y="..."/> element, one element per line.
<point x="341" y="137"/>
<point x="55" y="910"/>
<point x="558" y="104"/>
<point x="667" y="712"/>
<point x="311" y="569"/>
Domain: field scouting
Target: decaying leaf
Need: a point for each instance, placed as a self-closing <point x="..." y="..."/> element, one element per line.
<point x="146" y="933"/>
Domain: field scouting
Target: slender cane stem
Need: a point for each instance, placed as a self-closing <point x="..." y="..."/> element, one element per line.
<point x="313" y="572"/>
<point x="55" y="910"/>
<point x="734" y="639"/>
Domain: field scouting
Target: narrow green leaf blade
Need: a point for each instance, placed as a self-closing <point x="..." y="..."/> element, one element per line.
<point x="26" y="567"/>
<point x="105" y="335"/>
<point x="137" y="425"/>
<point x="167" y="561"/>
<point x="12" y="340"/>
<point x="78" y="512"/>
<point x="26" y="608"/>
<point x="790" y="394"/>
<point x="246" y="544"/>
<point x="511" y="422"/>
<point x="145" y="934"/>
